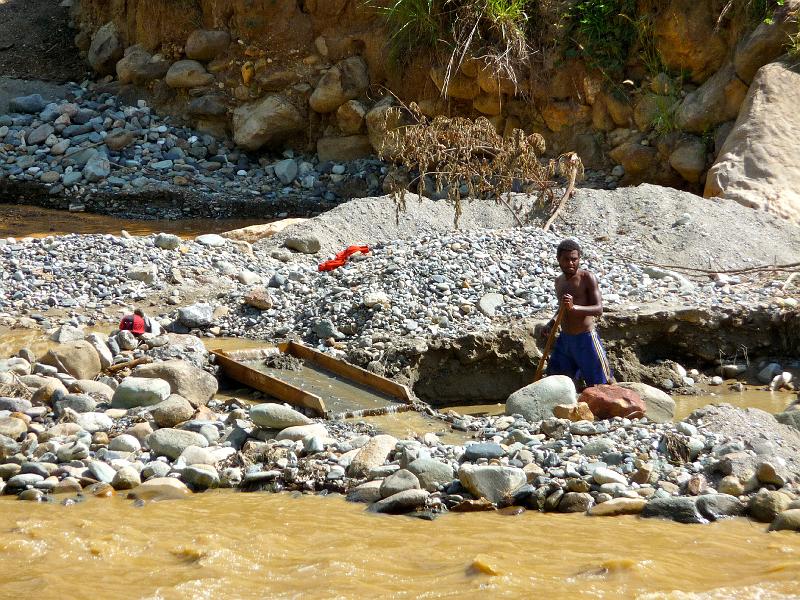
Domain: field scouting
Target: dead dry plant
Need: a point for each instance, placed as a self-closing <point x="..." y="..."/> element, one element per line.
<point x="15" y="389"/>
<point x="460" y="158"/>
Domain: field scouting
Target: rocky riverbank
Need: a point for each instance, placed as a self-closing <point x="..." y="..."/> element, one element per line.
<point x="90" y="151"/>
<point x="426" y="285"/>
<point x="72" y="424"/>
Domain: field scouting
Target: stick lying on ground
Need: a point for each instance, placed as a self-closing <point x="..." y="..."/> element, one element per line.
<point x="131" y="363"/>
<point x="549" y="345"/>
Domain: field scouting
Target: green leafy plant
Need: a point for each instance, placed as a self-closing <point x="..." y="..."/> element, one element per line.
<point x="414" y="25"/>
<point x="601" y="32"/>
<point x="665" y="119"/>
<point x="793" y="46"/>
<point x="493" y="30"/>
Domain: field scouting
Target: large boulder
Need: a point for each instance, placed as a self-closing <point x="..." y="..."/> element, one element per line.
<point x="609" y="401"/>
<point x="372" y="454"/>
<point x="397" y="482"/>
<point x="790" y="418"/>
<point x="29" y="105"/>
<point x="495" y="483"/>
<point x="431" y="473"/>
<point x="140" y="391"/>
<point x="196" y="316"/>
<point x="345" y="81"/>
<point x="138" y="66"/>
<point x="8" y="447"/>
<point x="172" y="442"/>
<point x="299" y="432"/>
<point x="175" y="409"/>
<point x="401" y="502"/>
<point x="682" y="510"/>
<point x="49" y="391"/>
<point x="253" y="233"/>
<point x="535" y="402"/>
<point x="659" y="406"/>
<point x="266" y="122"/>
<point x="458" y="86"/>
<point x="12" y="427"/>
<point x="766" y="42"/>
<point x="186" y="347"/>
<point x="188" y="74"/>
<point x="350" y="117"/>
<point x="687" y="38"/>
<point x="767" y="504"/>
<point x="277" y="416"/>
<point x="105" y="50"/>
<point x="99" y="342"/>
<point x="184" y="379"/>
<point x="756" y="166"/>
<point x="716" y="101"/>
<point x="689" y="159"/>
<point x="788" y="520"/>
<point x="207" y="44"/>
<point x="79" y="359"/>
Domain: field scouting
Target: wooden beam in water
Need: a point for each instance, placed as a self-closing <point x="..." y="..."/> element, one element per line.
<point x="269" y="385"/>
<point x="349" y="371"/>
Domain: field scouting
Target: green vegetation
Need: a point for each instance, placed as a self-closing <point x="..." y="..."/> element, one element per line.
<point x="493" y="27"/>
<point x="415" y="25"/>
<point x="602" y="32"/>
<point x="747" y="14"/>
<point x="793" y="46"/>
<point x="665" y="119"/>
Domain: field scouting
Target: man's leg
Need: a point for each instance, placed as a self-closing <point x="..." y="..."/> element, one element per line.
<point x="560" y="361"/>
<point x="591" y="359"/>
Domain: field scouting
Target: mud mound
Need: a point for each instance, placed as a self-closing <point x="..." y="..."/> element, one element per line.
<point x="37" y="43"/>
<point x="370" y="220"/>
<point x="647" y="222"/>
<point x="678" y="228"/>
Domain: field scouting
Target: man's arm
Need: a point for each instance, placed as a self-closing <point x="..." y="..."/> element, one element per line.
<point x="594" y="308"/>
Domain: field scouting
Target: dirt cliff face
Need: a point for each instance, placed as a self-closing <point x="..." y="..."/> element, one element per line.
<point x="287" y="66"/>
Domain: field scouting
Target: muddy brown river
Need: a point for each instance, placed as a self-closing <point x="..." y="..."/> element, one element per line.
<point x="224" y="544"/>
<point x="31" y="221"/>
<point x="231" y="545"/>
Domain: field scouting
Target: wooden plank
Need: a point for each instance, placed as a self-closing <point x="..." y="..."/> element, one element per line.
<point x="349" y="371"/>
<point x="269" y="385"/>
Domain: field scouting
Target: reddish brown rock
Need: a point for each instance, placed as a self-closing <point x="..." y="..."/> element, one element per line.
<point x="258" y="298"/>
<point x="607" y="401"/>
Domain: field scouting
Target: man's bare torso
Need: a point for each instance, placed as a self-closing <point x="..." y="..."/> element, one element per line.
<point x="582" y="286"/>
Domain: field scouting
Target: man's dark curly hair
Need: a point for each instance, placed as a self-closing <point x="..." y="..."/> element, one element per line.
<point x="568" y="246"/>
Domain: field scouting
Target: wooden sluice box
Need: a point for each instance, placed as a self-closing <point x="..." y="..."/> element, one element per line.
<point x="330" y="387"/>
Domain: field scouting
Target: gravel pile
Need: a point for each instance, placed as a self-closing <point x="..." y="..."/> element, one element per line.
<point x="93" y="144"/>
<point x="438" y="285"/>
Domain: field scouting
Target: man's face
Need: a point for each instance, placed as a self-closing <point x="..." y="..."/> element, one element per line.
<point x="569" y="261"/>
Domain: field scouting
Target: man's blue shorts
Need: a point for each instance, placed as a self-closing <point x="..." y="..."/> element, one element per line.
<point x="580" y="356"/>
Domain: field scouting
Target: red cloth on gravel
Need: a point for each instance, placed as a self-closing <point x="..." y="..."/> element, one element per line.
<point x="341" y="258"/>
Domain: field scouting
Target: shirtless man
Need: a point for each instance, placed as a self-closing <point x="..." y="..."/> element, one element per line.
<point x="578" y="352"/>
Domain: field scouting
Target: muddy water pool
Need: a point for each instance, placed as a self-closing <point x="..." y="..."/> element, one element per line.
<point x="231" y="545"/>
<point x="32" y="221"/>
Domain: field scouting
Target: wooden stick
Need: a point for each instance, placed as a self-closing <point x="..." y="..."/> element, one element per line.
<point x="131" y="363"/>
<point x="549" y="345"/>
